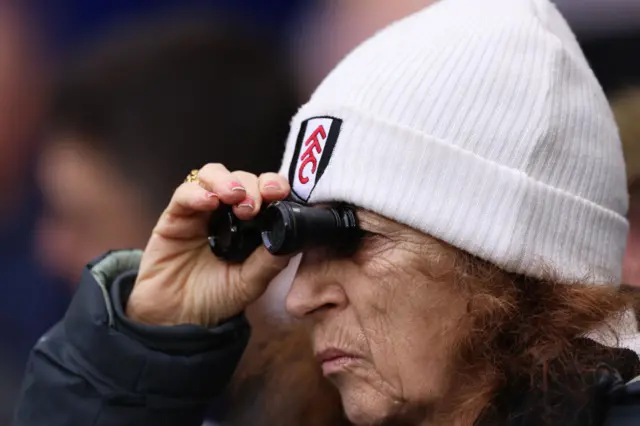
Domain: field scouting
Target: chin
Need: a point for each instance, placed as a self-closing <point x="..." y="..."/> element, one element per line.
<point x="365" y="406"/>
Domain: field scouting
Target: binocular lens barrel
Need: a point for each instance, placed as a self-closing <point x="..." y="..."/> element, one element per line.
<point x="290" y="227"/>
<point x="230" y="238"/>
<point x="284" y="227"/>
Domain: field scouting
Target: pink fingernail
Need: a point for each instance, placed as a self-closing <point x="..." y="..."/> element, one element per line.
<point x="272" y="185"/>
<point x="236" y="186"/>
<point x="247" y="203"/>
<point x="212" y="195"/>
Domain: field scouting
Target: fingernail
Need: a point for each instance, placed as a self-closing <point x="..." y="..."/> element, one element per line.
<point x="272" y="185"/>
<point x="236" y="186"/>
<point x="247" y="203"/>
<point x="211" y="195"/>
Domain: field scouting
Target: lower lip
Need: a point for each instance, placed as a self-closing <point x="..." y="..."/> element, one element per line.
<point x="335" y="365"/>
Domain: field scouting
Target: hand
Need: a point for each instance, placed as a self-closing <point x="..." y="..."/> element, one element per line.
<point x="180" y="281"/>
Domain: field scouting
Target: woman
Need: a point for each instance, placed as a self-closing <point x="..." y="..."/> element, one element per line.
<point x="486" y="172"/>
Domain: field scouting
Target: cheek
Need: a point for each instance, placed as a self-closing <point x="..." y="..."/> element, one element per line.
<point x="372" y="388"/>
<point x="408" y="324"/>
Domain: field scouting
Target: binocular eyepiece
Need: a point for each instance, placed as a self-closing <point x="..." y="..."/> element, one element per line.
<point x="283" y="227"/>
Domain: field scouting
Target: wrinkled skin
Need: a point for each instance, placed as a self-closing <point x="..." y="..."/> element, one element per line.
<point x="392" y="311"/>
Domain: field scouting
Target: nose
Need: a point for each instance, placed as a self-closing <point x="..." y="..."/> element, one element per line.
<point x="314" y="291"/>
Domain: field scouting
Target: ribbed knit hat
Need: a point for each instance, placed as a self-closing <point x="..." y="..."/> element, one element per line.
<point x="479" y="123"/>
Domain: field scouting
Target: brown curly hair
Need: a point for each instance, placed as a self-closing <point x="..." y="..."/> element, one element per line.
<point x="524" y="334"/>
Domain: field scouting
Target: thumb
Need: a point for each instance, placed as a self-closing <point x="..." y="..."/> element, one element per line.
<point x="257" y="272"/>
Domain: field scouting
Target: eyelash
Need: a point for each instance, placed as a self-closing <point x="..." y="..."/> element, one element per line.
<point x="368" y="235"/>
<point x="367" y="238"/>
<point x="364" y="238"/>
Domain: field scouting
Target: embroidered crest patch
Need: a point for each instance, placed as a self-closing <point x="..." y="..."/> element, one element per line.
<point x="316" y="139"/>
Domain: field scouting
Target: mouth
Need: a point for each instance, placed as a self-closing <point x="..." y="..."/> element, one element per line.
<point x="333" y="360"/>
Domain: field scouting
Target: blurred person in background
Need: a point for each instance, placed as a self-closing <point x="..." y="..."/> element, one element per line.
<point x="334" y="27"/>
<point x="31" y="300"/>
<point x="626" y="107"/>
<point x="134" y="112"/>
<point x="72" y="24"/>
<point x="485" y="273"/>
<point x="126" y="121"/>
<point x="608" y="30"/>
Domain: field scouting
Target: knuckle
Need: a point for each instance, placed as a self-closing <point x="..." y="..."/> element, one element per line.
<point x="180" y="191"/>
<point x="211" y="168"/>
<point x="243" y="293"/>
<point x="249" y="180"/>
<point x="268" y="175"/>
<point x="240" y="283"/>
<point x="206" y="169"/>
<point x="169" y="218"/>
<point x="241" y="174"/>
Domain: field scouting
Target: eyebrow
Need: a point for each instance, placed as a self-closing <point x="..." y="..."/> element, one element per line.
<point x="371" y="224"/>
<point x="364" y="221"/>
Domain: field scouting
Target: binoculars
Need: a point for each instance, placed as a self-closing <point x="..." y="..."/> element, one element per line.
<point x="283" y="227"/>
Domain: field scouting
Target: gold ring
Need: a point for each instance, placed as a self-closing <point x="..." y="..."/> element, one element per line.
<point x="193" y="176"/>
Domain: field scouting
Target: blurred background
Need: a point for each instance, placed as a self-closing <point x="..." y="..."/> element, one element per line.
<point x="105" y="106"/>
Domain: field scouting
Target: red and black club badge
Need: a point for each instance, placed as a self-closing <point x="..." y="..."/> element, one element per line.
<point x="314" y="146"/>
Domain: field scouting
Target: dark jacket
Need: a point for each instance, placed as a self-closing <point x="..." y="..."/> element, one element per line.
<point x="97" y="368"/>
<point x="587" y="389"/>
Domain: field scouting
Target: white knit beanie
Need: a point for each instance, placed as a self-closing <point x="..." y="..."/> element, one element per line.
<point x="479" y="123"/>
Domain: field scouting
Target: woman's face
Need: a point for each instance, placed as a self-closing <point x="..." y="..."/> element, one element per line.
<point x="384" y="321"/>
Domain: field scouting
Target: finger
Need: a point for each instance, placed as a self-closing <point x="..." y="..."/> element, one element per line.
<point x="190" y="198"/>
<point x="250" y="205"/>
<point x="257" y="272"/>
<point x="187" y="213"/>
<point x="217" y="179"/>
<point x="273" y="187"/>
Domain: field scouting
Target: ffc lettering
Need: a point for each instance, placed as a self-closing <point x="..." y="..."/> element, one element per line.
<point x="309" y="154"/>
<point x="314" y="146"/>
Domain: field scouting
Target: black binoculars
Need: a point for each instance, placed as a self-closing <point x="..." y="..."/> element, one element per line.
<point x="284" y="227"/>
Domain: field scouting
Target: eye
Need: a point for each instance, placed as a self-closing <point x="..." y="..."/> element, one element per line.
<point x="370" y="236"/>
<point x="369" y="245"/>
<point x="350" y="248"/>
